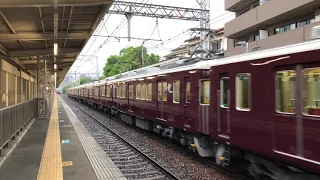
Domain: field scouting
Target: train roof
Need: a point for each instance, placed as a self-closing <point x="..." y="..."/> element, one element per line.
<point x="284" y="50"/>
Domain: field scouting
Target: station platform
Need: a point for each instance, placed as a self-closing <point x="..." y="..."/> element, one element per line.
<point x="56" y="148"/>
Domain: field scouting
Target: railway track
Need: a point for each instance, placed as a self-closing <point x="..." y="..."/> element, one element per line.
<point x="229" y="171"/>
<point x="132" y="162"/>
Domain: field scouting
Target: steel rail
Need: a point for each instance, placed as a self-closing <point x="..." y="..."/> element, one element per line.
<point x="163" y="169"/>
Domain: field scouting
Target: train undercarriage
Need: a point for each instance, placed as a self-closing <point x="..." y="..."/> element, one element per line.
<point x="223" y="154"/>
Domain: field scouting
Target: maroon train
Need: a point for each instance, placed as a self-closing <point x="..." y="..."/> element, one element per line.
<point x="261" y="109"/>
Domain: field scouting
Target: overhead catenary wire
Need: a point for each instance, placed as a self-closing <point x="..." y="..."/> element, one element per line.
<point x="173" y="38"/>
<point x="103" y="22"/>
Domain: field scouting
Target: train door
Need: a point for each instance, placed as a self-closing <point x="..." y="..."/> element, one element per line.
<point x="309" y="122"/>
<point x="204" y="104"/>
<point x="187" y="101"/>
<point x="223" y="104"/>
<point x="130" y="96"/>
<point x="286" y="113"/>
<point x="162" y="88"/>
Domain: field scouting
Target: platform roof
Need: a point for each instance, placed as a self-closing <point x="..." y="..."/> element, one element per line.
<point x="29" y="28"/>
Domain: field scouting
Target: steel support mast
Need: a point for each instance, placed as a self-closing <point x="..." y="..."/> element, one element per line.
<point x="130" y="9"/>
<point x="42" y="83"/>
<point x="205" y="30"/>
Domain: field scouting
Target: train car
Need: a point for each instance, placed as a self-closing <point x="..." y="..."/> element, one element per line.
<point x="267" y="103"/>
<point x="260" y="109"/>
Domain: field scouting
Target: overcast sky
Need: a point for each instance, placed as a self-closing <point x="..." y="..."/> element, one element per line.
<point x="140" y="26"/>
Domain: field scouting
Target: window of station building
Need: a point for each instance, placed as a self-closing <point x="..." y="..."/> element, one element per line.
<point x="188" y="92"/>
<point x="176" y="91"/>
<point x="138" y="91"/>
<point x="149" y="92"/>
<point x="143" y="91"/>
<point x="311" y="91"/>
<point x="224" y="92"/>
<point x="285" y="91"/>
<point x="243" y="92"/>
<point x="108" y="91"/>
<point x="130" y="91"/>
<point x="204" y="92"/>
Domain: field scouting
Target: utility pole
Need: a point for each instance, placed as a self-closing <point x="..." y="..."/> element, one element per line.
<point x="129" y="16"/>
<point x="205" y="28"/>
<point x="142" y="57"/>
<point x="205" y="32"/>
<point x="97" y="67"/>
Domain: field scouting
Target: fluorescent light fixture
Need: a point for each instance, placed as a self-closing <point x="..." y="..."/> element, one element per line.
<point x="55" y="49"/>
<point x="55" y="66"/>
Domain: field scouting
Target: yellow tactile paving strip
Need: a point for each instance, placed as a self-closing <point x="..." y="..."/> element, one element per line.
<point x="51" y="161"/>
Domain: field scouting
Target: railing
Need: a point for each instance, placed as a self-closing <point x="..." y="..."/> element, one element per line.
<point x="14" y="118"/>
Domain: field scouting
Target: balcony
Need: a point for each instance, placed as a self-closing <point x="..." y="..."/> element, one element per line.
<point x="230" y="4"/>
<point x="298" y="35"/>
<point x="261" y="16"/>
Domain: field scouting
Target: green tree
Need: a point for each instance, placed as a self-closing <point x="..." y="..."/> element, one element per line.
<point x="85" y="80"/>
<point x="101" y="77"/>
<point x="64" y="89"/>
<point x="128" y="59"/>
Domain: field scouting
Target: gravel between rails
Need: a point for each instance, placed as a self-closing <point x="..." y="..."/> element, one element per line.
<point x="131" y="163"/>
<point x="178" y="163"/>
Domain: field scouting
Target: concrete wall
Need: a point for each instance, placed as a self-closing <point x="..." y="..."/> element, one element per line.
<point x="11" y="79"/>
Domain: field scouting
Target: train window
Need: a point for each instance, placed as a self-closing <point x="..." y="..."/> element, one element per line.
<point x="97" y="90"/>
<point x="176" y="91"/>
<point x="114" y="91"/>
<point x="165" y="91"/>
<point x="159" y="91"/>
<point x="143" y="91"/>
<point x="138" y="91"/>
<point x="204" y="92"/>
<point x="285" y="91"/>
<point x="103" y="90"/>
<point x="188" y="92"/>
<point x="123" y="91"/>
<point x="108" y="91"/>
<point x="149" y="92"/>
<point x="243" y="94"/>
<point x="118" y="91"/>
<point x="131" y="91"/>
<point x="224" y="92"/>
<point x="311" y="91"/>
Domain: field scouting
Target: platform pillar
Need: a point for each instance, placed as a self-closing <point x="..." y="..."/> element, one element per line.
<point x="42" y="82"/>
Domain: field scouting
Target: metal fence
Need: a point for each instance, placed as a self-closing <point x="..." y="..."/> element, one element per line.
<point x="14" y="118"/>
<point x="3" y="87"/>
